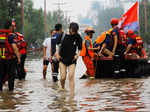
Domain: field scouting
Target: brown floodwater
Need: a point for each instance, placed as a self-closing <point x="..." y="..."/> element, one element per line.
<point x="99" y="95"/>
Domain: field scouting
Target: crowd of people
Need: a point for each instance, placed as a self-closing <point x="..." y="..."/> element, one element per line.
<point x="62" y="49"/>
<point x="66" y="47"/>
<point x="109" y="44"/>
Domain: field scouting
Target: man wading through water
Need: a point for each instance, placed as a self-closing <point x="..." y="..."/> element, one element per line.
<point x="47" y="52"/>
<point x="56" y="38"/>
<point x="67" y="56"/>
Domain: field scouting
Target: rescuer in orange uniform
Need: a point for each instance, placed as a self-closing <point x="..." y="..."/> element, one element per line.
<point x="22" y="46"/>
<point x="87" y="53"/>
<point x="134" y="44"/>
<point x="8" y="54"/>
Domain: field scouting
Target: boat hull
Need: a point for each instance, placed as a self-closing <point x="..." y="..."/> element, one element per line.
<point x="125" y="68"/>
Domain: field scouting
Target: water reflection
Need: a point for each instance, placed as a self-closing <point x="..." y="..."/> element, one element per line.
<point x="9" y="101"/>
<point x="63" y="102"/>
<point x="113" y="95"/>
<point x="100" y="95"/>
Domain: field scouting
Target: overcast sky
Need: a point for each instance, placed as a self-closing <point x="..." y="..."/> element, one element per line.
<point x="72" y="8"/>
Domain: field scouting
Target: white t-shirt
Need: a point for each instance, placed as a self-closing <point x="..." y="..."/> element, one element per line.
<point x="47" y="44"/>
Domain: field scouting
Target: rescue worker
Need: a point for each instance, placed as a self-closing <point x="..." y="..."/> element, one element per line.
<point x="103" y="41"/>
<point x="134" y="44"/>
<point x="115" y="34"/>
<point x="8" y="53"/>
<point x="117" y="46"/>
<point x="22" y="46"/>
<point x="54" y="41"/>
<point x="87" y="53"/>
<point x="47" y="53"/>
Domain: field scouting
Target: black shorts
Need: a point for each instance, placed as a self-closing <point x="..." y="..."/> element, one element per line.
<point x="68" y="62"/>
<point x="45" y="62"/>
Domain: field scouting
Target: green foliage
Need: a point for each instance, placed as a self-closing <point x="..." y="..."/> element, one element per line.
<point x="53" y="18"/>
<point x="146" y="36"/>
<point x="10" y="9"/>
<point x="34" y="23"/>
<point x="33" y="19"/>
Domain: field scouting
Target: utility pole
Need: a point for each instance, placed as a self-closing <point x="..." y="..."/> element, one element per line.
<point x="22" y="6"/>
<point x="145" y="16"/>
<point x="59" y="4"/>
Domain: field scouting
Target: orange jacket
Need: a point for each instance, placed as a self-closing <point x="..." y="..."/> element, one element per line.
<point x="83" y="51"/>
<point x="139" y="41"/>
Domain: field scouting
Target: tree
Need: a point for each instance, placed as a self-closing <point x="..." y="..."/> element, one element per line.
<point x="10" y="9"/>
<point x="34" y="23"/>
<point x="52" y="19"/>
<point x="145" y="36"/>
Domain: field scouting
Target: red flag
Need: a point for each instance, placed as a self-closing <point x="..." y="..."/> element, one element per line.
<point x="129" y="20"/>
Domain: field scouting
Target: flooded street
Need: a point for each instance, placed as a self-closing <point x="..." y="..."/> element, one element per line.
<point x="100" y="95"/>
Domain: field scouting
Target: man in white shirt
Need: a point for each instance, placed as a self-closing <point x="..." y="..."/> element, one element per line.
<point x="47" y="53"/>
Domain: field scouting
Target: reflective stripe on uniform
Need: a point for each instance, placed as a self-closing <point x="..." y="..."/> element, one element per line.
<point x="2" y="37"/>
<point x="2" y="53"/>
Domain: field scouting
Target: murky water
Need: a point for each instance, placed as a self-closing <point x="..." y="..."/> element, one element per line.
<point x="100" y="95"/>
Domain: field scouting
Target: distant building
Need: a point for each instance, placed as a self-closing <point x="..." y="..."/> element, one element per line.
<point x="111" y="3"/>
<point x="115" y="3"/>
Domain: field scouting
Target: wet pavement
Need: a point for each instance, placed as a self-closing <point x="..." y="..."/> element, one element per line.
<point x="99" y="95"/>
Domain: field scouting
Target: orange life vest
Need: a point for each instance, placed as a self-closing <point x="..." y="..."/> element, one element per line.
<point x="85" y="50"/>
<point x="122" y="38"/>
<point x="139" y="42"/>
<point x="21" y="43"/>
<point x="6" y="50"/>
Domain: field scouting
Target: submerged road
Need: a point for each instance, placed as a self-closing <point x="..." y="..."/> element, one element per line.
<point x="99" y="95"/>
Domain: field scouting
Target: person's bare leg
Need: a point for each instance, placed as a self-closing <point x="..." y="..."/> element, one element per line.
<point x="44" y="71"/>
<point x="52" y="69"/>
<point x="108" y="52"/>
<point x="71" y="70"/>
<point x="63" y="70"/>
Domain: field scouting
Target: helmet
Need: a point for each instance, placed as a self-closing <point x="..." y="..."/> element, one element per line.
<point x="114" y="21"/>
<point x="89" y="29"/>
<point x="130" y="32"/>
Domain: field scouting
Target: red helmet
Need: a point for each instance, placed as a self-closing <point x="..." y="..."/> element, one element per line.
<point x="130" y="32"/>
<point x="114" y="21"/>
